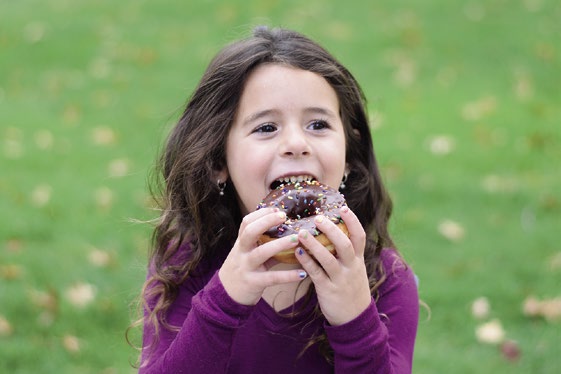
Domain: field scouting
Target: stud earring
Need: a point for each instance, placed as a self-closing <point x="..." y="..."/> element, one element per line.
<point x="221" y="187"/>
<point x="343" y="185"/>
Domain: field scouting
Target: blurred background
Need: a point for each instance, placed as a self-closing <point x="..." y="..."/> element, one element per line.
<point x="465" y="103"/>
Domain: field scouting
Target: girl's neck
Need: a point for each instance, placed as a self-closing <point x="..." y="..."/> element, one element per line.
<point x="282" y="296"/>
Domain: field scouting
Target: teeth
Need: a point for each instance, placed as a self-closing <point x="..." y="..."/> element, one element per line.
<point x="296" y="178"/>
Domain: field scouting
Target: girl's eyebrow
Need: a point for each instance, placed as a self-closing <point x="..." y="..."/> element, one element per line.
<point x="319" y="110"/>
<point x="274" y="112"/>
<point x="259" y="115"/>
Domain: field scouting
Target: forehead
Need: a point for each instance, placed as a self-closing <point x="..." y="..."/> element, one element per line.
<point x="287" y="87"/>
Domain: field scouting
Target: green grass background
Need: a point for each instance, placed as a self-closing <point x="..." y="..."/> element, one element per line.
<point x="483" y="76"/>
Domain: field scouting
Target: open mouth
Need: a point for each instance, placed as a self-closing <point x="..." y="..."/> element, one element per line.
<point x="291" y="179"/>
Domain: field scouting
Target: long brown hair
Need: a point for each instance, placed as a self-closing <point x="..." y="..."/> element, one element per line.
<point x="193" y="211"/>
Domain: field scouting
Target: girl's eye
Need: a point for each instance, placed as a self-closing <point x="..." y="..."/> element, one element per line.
<point x="318" y="125"/>
<point x="267" y="127"/>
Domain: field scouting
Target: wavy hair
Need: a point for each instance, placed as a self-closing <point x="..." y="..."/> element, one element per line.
<point x="193" y="211"/>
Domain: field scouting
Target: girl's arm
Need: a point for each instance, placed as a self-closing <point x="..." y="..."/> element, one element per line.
<point x="208" y="314"/>
<point x="382" y="338"/>
<point x="207" y="323"/>
<point x="367" y="336"/>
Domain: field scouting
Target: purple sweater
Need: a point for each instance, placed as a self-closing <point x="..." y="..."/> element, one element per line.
<point x="218" y="335"/>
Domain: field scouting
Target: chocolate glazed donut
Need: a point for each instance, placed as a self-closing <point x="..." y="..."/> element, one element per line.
<point x="302" y="201"/>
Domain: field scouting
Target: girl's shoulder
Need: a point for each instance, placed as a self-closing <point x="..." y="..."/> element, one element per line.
<point x="392" y="260"/>
<point x="396" y="269"/>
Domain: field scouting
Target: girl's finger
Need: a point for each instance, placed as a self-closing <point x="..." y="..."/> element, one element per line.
<point x="316" y="273"/>
<point x="252" y="228"/>
<point x="356" y="231"/>
<point x="261" y="254"/>
<point x="343" y="245"/>
<point x="273" y="277"/>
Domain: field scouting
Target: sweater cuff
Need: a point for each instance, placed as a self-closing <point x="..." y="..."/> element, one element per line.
<point x="215" y="305"/>
<point x="356" y="330"/>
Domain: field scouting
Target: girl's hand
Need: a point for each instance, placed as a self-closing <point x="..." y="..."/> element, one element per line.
<point x="244" y="273"/>
<point x="341" y="282"/>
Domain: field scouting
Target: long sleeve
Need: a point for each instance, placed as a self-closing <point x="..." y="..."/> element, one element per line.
<point x="382" y="338"/>
<point x="208" y="320"/>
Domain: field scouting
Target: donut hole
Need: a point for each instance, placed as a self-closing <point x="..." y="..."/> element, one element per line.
<point x="304" y="205"/>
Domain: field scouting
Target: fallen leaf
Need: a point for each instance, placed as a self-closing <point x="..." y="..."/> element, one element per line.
<point x="490" y="333"/>
<point x="41" y="195"/>
<point x="44" y="139"/>
<point x="10" y="271"/>
<point x="5" y="327"/>
<point x="103" y="136"/>
<point x="510" y="350"/>
<point x="551" y="309"/>
<point x="81" y="294"/>
<point x="71" y="343"/>
<point x="104" y="197"/>
<point x="14" y="245"/>
<point x="451" y="230"/>
<point x="476" y="110"/>
<point x="480" y="308"/>
<point x="555" y="262"/>
<point x="441" y="145"/>
<point x="44" y="300"/>
<point x="531" y="307"/>
<point x="119" y="167"/>
<point x="99" y="258"/>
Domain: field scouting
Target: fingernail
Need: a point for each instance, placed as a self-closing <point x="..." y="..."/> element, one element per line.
<point x="302" y="274"/>
<point x="305" y="234"/>
<point x="282" y="215"/>
<point x="319" y="219"/>
<point x="345" y="209"/>
<point x="293" y="238"/>
<point x="300" y="251"/>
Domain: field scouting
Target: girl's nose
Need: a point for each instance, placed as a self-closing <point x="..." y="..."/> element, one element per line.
<point x="295" y="144"/>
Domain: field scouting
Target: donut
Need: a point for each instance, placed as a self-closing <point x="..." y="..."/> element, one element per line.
<point x="302" y="202"/>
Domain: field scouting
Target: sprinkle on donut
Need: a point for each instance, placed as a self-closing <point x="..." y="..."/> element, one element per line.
<point x="302" y="201"/>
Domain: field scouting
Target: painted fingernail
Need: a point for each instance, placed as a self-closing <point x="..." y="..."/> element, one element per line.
<point x="282" y="215"/>
<point x="300" y="251"/>
<point x="293" y="238"/>
<point x="319" y="219"/>
<point x="345" y="209"/>
<point x="302" y="274"/>
<point x="305" y="234"/>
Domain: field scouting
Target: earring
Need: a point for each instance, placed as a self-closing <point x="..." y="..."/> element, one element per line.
<point x="343" y="185"/>
<point x="221" y="187"/>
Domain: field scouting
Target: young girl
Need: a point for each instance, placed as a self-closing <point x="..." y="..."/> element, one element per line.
<point x="274" y="106"/>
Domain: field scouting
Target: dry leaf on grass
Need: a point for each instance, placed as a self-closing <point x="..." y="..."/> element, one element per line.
<point x="41" y="195"/>
<point x="441" y="145"/>
<point x="10" y="272"/>
<point x="71" y="343"/>
<point x="119" y="167"/>
<point x="510" y="350"/>
<point x="451" y="230"/>
<point x="491" y="332"/>
<point x="99" y="258"/>
<point x="81" y="294"/>
<point x="5" y="327"/>
<point x="549" y="309"/>
<point x="480" y="308"/>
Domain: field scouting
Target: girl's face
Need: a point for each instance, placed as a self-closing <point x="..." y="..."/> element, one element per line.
<point x="287" y="126"/>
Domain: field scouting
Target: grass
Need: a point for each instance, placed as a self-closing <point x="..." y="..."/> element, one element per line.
<point x="465" y="104"/>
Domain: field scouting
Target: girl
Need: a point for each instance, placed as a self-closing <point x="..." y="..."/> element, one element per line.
<point x="275" y="105"/>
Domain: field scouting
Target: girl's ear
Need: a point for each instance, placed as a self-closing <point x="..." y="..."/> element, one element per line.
<point x="221" y="175"/>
